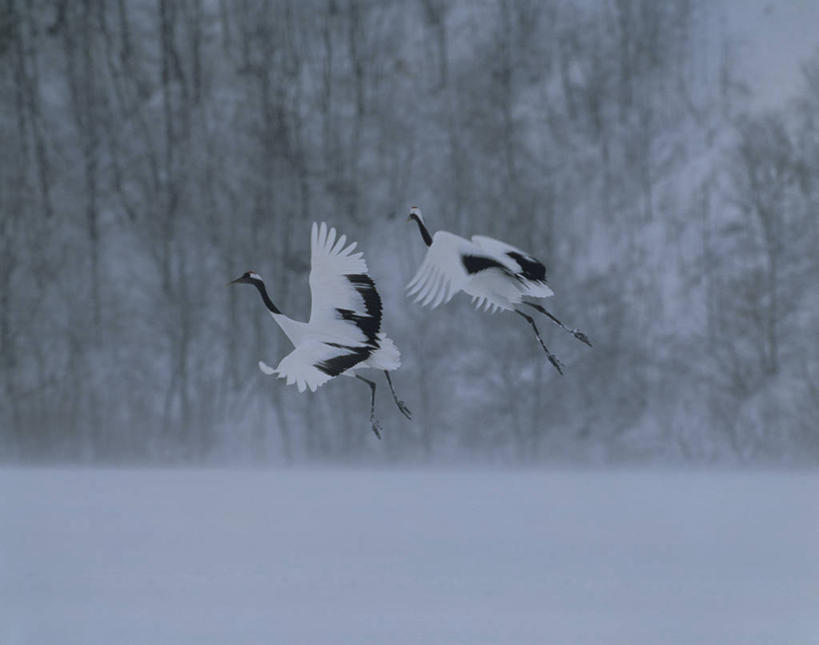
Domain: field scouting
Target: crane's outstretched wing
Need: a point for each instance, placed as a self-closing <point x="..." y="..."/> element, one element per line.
<point x="314" y="362"/>
<point x="526" y="268"/>
<point x="450" y="263"/>
<point x="441" y="274"/>
<point x="345" y="304"/>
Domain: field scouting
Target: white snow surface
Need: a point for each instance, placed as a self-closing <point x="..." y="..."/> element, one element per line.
<point x="300" y="556"/>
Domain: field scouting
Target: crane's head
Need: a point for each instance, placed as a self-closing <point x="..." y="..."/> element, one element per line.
<point x="416" y="214"/>
<point x="249" y="277"/>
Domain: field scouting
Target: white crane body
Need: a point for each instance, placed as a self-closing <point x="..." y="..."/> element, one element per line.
<point x="492" y="272"/>
<point x="497" y="275"/>
<point x="344" y="333"/>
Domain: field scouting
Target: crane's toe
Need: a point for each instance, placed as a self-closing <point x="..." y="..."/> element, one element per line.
<point x="376" y="427"/>
<point x="579" y="335"/>
<point x="558" y="365"/>
<point x="404" y="409"/>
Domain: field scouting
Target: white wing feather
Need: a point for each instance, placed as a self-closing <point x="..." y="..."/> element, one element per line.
<point x="330" y="262"/>
<point x="442" y="273"/>
<point x="496" y="247"/>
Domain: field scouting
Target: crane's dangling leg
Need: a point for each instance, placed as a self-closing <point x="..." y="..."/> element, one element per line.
<point x="401" y="405"/>
<point x="552" y="358"/>
<point x="579" y="335"/>
<point x="373" y="421"/>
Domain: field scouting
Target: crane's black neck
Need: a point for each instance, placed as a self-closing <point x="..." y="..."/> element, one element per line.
<point x="267" y="301"/>
<point x="424" y="232"/>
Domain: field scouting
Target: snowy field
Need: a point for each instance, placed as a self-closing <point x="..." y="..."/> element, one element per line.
<point x="154" y="556"/>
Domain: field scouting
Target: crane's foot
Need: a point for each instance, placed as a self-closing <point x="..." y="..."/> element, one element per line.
<point x="554" y="361"/>
<point x="579" y="335"/>
<point x="376" y="426"/>
<point x="404" y="409"/>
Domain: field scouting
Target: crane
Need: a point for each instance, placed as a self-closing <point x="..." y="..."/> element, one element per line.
<point x="344" y="333"/>
<point x="497" y="275"/>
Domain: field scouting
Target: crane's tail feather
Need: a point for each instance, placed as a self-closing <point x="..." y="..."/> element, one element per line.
<point x="387" y="356"/>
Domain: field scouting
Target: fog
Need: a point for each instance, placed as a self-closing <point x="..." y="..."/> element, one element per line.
<point x="660" y="158"/>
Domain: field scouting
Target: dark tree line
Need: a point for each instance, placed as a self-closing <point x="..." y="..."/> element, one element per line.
<point x="154" y="150"/>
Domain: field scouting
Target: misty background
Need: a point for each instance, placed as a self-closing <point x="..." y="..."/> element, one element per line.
<point x="152" y="151"/>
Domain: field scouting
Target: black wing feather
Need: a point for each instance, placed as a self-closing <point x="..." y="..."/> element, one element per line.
<point x="370" y="322"/>
<point x="477" y="263"/>
<point x="530" y="269"/>
<point x="339" y="364"/>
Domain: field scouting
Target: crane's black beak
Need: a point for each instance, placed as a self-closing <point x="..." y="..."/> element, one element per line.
<point x="238" y="280"/>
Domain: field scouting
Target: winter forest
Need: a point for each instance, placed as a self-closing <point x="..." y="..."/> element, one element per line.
<point x="154" y="150"/>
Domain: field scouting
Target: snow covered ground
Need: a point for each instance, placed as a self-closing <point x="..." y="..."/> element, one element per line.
<point x="185" y="556"/>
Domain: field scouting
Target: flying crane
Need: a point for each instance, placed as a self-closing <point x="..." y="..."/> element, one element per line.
<point x="497" y="275"/>
<point x="344" y="333"/>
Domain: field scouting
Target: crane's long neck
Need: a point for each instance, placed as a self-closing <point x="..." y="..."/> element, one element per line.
<point x="424" y="232"/>
<point x="273" y="309"/>
<point x="293" y="329"/>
